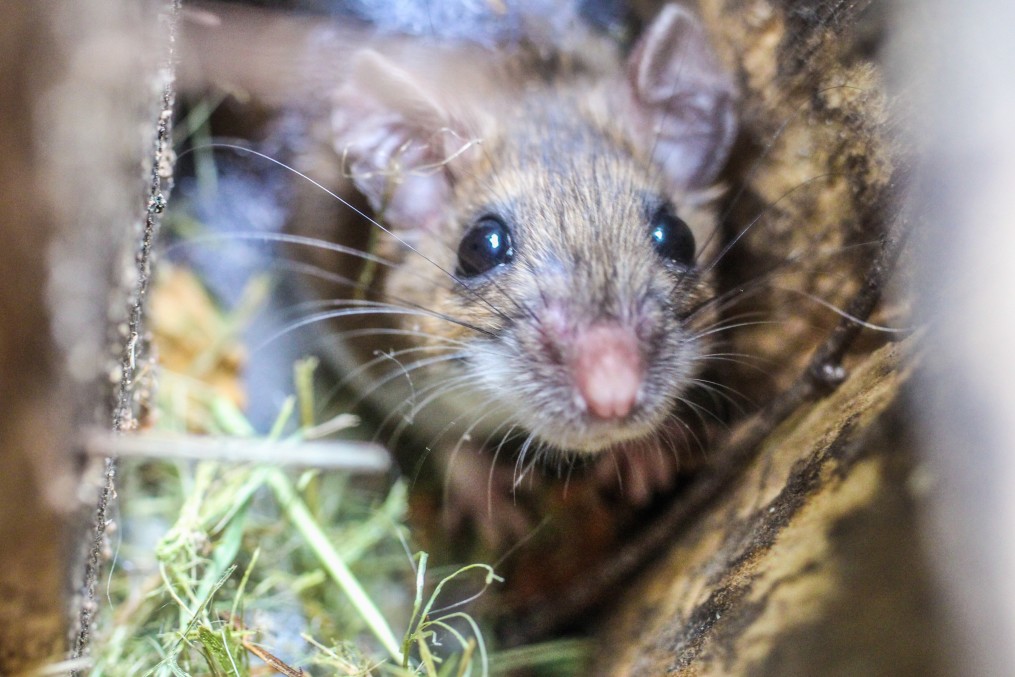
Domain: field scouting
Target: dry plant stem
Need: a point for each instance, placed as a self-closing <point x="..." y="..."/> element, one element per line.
<point x="353" y="457"/>
<point x="272" y="661"/>
<point x="301" y="518"/>
<point x="123" y="417"/>
<point x="739" y="450"/>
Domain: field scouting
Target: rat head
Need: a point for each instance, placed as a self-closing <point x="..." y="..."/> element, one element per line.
<point x="558" y="226"/>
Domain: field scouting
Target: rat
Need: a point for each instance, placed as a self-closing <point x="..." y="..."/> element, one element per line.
<point x="539" y="269"/>
<point x="527" y="266"/>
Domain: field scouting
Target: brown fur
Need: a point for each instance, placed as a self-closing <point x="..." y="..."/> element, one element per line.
<point x="571" y="184"/>
<point x="553" y="150"/>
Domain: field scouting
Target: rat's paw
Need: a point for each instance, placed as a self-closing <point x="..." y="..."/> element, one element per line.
<point x="637" y="475"/>
<point x="482" y="495"/>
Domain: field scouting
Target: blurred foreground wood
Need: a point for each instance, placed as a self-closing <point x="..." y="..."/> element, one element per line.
<point x="77" y="116"/>
<point x="33" y="417"/>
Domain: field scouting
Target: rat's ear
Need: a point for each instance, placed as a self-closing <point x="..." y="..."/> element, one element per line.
<point x="683" y="99"/>
<point x="396" y="142"/>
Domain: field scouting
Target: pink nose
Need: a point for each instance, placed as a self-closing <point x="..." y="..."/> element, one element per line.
<point x="607" y="370"/>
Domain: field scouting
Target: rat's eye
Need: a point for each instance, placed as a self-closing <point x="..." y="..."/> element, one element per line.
<point x="485" y="246"/>
<point x="671" y="237"/>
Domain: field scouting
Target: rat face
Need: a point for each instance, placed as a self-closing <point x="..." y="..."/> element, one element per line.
<point x="576" y="264"/>
<point x="550" y="233"/>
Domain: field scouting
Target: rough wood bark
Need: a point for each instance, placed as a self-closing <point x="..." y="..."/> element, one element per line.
<point x="811" y="564"/>
<point x="808" y="561"/>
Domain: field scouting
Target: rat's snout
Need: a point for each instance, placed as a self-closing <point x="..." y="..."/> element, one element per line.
<point x="607" y="368"/>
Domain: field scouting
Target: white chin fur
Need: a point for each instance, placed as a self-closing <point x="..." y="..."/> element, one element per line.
<point x="597" y="437"/>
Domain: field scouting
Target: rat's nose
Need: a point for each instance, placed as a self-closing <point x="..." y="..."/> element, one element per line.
<point x="607" y="370"/>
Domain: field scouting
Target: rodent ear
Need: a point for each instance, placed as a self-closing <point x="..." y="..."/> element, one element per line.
<point x="683" y="98"/>
<point x="396" y="142"/>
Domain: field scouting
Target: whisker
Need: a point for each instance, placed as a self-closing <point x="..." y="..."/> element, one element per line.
<point x="382" y="356"/>
<point x="730" y="358"/>
<point x="409" y="308"/>
<point x="570" y="470"/>
<point x="429" y="394"/>
<point x="843" y="314"/>
<point x="728" y="327"/>
<point x="372" y="310"/>
<point x="402" y="241"/>
<point x="403" y="370"/>
<point x="699" y="411"/>
<point x="520" y="460"/>
<point x="312" y="270"/>
<point x="458" y="447"/>
<point x="721" y="390"/>
<point x="495" y="178"/>
<point x="405" y="333"/>
<point x="725" y="250"/>
<point x="770" y="142"/>
<point x="671" y="446"/>
<point x="466" y="434"/>
<point x="685" y="429"/>
<point x="540" y="450"/>
<point x="507" y="437"/>
<point x="277" y="238"/>
<point x="616" y="468"/>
